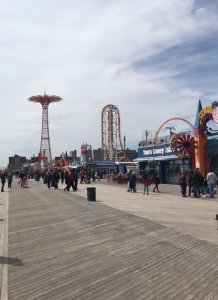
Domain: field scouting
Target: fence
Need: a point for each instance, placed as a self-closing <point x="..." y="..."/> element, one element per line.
<point x="122" y="178"/>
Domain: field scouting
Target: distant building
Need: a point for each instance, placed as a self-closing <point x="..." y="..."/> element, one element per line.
<point x="96" y="155"/>
<point x="61" y="161"/>
<point x="131" y="154"/>
<point x="104" y="167"/>
<point x="34" y="159"/>
<point x="16" y="162"/>
<point x="73" y="155"/>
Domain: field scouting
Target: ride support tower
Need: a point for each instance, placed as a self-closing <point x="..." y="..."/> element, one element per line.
<point x="111" y="134"/>
<point x="45" y="146"/>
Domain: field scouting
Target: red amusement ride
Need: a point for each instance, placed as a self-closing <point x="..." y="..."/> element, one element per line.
<point x="111" y="133"/>
<point x="183" y="144"/>
<point x="45" y="147"/>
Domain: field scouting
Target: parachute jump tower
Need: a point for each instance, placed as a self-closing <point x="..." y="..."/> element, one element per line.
<point x="111" y="134"/>
<point x="45" y="147"/>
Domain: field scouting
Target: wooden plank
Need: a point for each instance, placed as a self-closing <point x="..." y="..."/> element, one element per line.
<point x="4" y="245"/>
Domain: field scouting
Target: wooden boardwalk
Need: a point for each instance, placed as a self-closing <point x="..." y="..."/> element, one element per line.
<point x="188" y="215"/>
<point x="63" y="247"/>
<point x="4" y="245"/>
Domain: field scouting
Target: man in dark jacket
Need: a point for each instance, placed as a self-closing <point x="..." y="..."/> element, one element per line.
<point x="48" y="178"/>
<point x="196" y="181"/>
<point x="146" y="180"/>
<point x="9" y="179"/>
<point x="190" y="184"/>
<point x="3" y="180"/>
<point x="132" y="183"/>
<point x="183" y="184"/>
<point x="156" y="181"/>
<point x="67" y="182"/>
<point x="55" y="179"/>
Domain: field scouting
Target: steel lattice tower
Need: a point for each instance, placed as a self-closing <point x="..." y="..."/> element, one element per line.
<point x="45" y="147"/>
<point x="111" y="133"/>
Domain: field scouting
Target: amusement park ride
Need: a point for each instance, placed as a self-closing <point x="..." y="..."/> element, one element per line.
<point x="191" y="144"/>
<point x="45" y="146"/>
<point x="111" y="134"/>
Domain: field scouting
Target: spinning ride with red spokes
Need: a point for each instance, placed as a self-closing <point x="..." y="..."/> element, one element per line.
<point x="183" y="144"/>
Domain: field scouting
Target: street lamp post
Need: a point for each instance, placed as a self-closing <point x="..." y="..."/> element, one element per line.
<point x="146" y="133"/>
<point x="87" y="171"/>
<point x="170" y="129"/>
<point x="124" y="142"/>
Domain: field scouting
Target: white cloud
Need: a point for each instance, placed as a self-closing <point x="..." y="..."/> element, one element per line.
<point x="85" y="52"/>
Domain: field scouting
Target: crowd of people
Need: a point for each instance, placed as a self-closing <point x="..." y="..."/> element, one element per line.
<point x="148" y="178"/>
<point x="198" y="185"/>
<point x="69" y="177"/>
<point x="6" y="177"/>
<point x="52" y="177"/>
<point x="192" y="183"/>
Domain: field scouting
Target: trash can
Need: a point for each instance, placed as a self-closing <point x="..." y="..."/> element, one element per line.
<point x="91" y="194"/>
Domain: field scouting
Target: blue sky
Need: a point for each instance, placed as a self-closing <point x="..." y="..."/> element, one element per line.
<point x="152" y="59"/>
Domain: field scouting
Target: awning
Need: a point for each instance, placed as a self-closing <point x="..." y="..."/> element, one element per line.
<point x="158" y="158"/>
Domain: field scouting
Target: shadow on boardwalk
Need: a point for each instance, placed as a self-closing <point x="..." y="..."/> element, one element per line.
<point x="11" y="261"/>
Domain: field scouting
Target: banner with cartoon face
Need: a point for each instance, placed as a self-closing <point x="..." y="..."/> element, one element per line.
<point x="214" y="106"/>
<point x="209" y="113"/>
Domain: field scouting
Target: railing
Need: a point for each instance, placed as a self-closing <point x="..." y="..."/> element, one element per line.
<point x="122" y="179"/>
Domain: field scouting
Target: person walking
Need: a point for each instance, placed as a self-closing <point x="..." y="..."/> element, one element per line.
<point x="48" y="178"/>
<point x="190" y="185"/>
<point x="62" y="176"/>
<point x="93" y="175"/>
<point x="128" y="178"/>
<point x="55" y="179"/>
<point x="67" y="181"/>
<point x="156" y="182"/>
<point x="9" y="179"/>
<point x="202" y="187"/>
<point x="183" y="184"/>
<point x="196" y="181"/>
<point x="21" y="179"/>
<point x="132" y="183"/>
<point x="3" y="180"/>
<point x="82" y="175"/>
<point x="71" y="175"/>
<point x="25" y="181"/>
<point x="145" y="181"/>
<point x="211" y="181"/>
<point x="76" y="177"/>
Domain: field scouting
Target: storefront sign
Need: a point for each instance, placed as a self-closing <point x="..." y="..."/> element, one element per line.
<point x="160" y="150"/>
